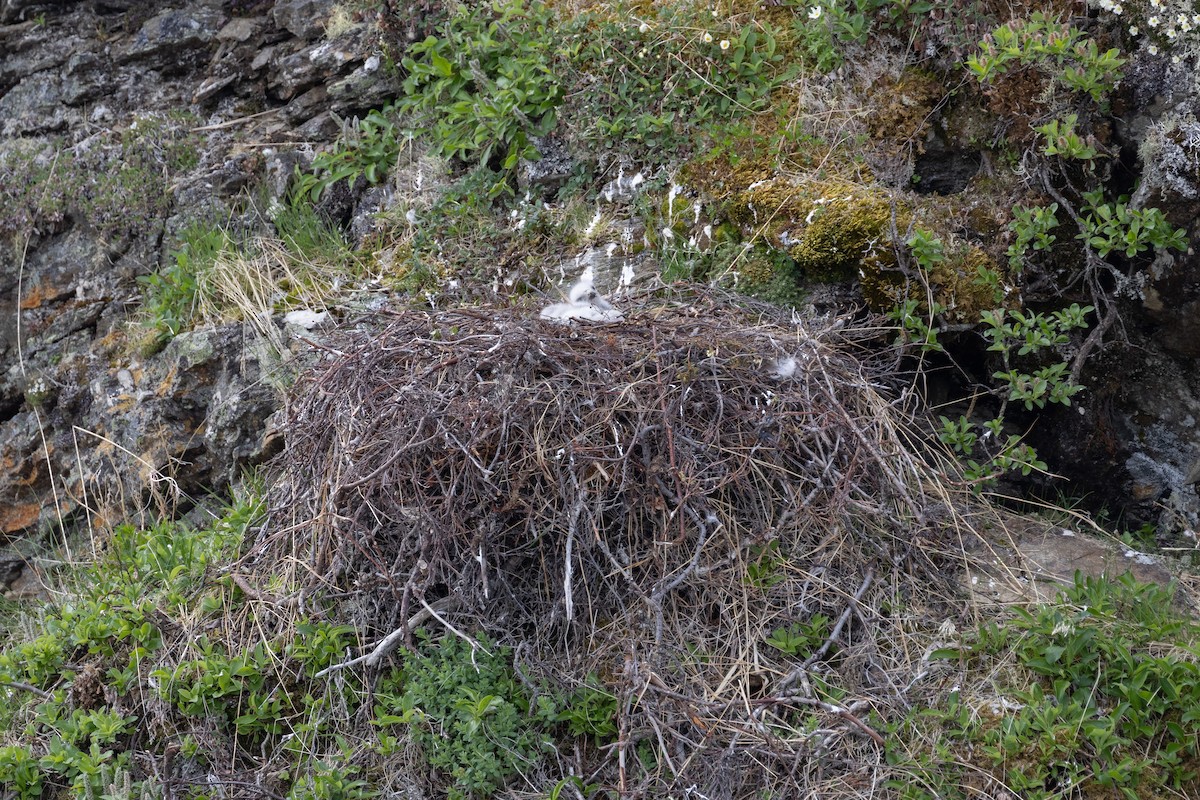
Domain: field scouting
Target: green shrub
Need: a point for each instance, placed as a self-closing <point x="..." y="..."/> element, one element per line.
<point x="171" y="295"/>
<point x="1116" y="698"/>
<point x="487" y="84"/>
<point x="1059" y="50"/>
<point x="652" y="89"/>
<point x="1109" y="227"/>
<point x="20" y="772"/>
<point x="467" y="712"/>
<point x="367" y="148"/>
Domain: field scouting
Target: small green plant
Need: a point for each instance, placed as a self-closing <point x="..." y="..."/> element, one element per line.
<point x="1029" y="332"/>
<point x="330" y="781"/>
<point x="319" y="644"/>
<point x="764" y="569"/>
<point x="1059" y="50"/>
<point x="467" y="712"/>
<point x="1109" y="227"/>
<point x="1032" y="227"/>
<point x="1115" y="699"/>
<point x="591" y="710"/>
<point x="1062" y="140"/>
<point x="171" y="295"/>
<point x="1012" y="333"/>
<point x="680" y="76"/>
<point x="825" y="30"/>
<point x="368" y="148"/>
<point x="801" y="637"/>
<point x="20" y="771"/>
<point x="915" y="316"/>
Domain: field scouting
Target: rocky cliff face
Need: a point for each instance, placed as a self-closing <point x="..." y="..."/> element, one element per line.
<point x="121" y="122"/>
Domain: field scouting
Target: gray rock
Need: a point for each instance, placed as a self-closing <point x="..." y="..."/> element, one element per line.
<point x="549" y="172"/>
<point x="364" y="88"/>
<point x="169" y="40"/>
<point x="14" y="10"/>
<point x="318" y="64"/>
<point x="240" y="29"/>
<point x="1037" y="561"/>
<point x="39" y="51"/>
<point x="35" y="106"/>
<point x="307" y="105"/>
<point x="304" y="18"/>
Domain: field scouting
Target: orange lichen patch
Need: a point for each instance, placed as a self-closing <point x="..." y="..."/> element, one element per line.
<point x="14" y="468"/>
<point x="124" y="403"/>
<point x="167" y="384"/>
<point x="38" y="295"/>
<point x="43" y="293"/>
<point x="16" y="518"/>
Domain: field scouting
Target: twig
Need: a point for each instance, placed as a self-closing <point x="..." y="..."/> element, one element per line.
<point x="1092" y="342"/>
<point x="389" y="642"/>
<point x="785" y="698"/>
<point x="833" y="635"/>
<point x="844" y="713"/>
<point x="233" y="122"/>
<point x="255" y="594"/>
<point x="27" y="688"/>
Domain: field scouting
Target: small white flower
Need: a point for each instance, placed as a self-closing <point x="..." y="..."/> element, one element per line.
<point x="1133" y="30"/>
<point x="1153" y="22"/>
<point x="814" y="12"/>
<point x="1171" y="33"/>
<point x="1118" y="9"/>
<point x="644" y="27"/>
<point x="1175" y="59"/>
<point x="724" y="44"/>
<point x="707" y="37"/>
<point x="1156" y="3"/>
<point x="714" y="13"/>
<point x="1152" y="50"/>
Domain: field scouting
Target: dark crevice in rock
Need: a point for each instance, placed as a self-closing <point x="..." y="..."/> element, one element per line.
<point x="944" y="171"/>
<point x="10" y="407"/>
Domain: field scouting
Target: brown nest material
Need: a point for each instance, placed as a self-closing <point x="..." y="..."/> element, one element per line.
<point x="661" y="503"/>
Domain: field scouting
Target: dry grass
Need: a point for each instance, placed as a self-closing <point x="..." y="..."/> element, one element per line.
<point x="254" y="285"/>
<point x="648" y="502"/>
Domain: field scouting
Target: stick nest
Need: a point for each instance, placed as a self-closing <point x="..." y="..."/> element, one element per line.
<point x="660" y="503"/>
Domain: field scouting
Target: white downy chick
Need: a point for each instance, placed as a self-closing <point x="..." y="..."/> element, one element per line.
<point x="583" y="302"/>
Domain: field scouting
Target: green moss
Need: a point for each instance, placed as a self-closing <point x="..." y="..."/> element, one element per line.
<point x="846" y="226"/>
<point x="773" y="276"/>
<point x="958" y="287"/>
<point x="900" y="110"/>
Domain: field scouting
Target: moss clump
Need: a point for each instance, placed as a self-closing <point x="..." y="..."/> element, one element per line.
<point x="846" y="227"/>
<point x="958" y="286"/>
<point x="770" y="275"/>
<point x="900" y="109"/>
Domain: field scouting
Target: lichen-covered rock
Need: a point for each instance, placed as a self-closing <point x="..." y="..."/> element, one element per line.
<point x="319" y="64"/>
<point x="109" y="148"/>
<point x="35" y="106"/>
<point x="303" y="18"/>
<point x="191" y="417"/>
<point x="172" y="39"/>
